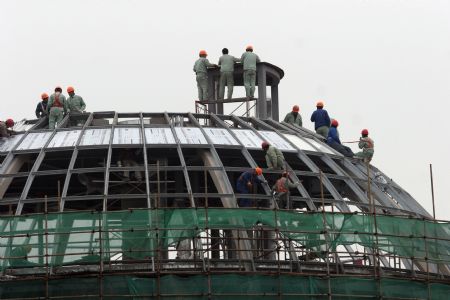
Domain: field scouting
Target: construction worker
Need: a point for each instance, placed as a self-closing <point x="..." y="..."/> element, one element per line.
<point x="200" y="69"/>
<point x="281" y="188"/>
<point x="274" y="157"/>
<point x="56" y="108"/>
<point x="367" y="146"/>
<point x="5" y="130"/>
<point x="321" y="120"/>
<point x="74" y="102"/>
<point x="249" y="60"/>
<point x="245" y="184"/>
<point x="226" y="63"/>
<point x="334" y="142"/>
<point x="41" y="108"/>
<point x="294" y="117"/>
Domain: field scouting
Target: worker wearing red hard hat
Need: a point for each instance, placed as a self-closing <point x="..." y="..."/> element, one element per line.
<point x="5" y="130"/>
<point x="56" y="108"/>
<point x="274" y="157"/>
<point x="367" y="146"/>
<point x="41" y="108"/>
<point x="249" y="61"/>
<point x="74" y="102"/>
<point x="321" y="120"/>
<point x="334" y="142"/>
<point x="201" y="71"/>
<point x="245" y="184"/>
<point x="294" y="117"/>
<point x="282" y="187"/>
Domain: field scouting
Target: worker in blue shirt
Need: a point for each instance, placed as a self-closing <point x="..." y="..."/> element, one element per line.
<point x="321" y="120"/>
<point x="245" y="184"/>
<point x="334" y="142"/>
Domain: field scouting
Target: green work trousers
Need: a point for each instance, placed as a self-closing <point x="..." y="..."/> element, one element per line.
<point x="226" y="78"/>
<point x="249" y="83"/>
<point x="55" y="117"/>
<point x="202" y="85"/>
<point x="367" y="156"/>
<point x="323" y="131"/>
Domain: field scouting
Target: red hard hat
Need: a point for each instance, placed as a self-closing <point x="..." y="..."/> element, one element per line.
<point x="44" y="96"/>
<point x="249" y="47"/>
<point x="9" y="123"/>
<point x="258" y="171"/>
<point x="202" y="52"/>
<point x="295" y="108"/>
<point x="365" y="132"/>
<point x="334" y="123"/>
<point x="319" y="104"/>
<point x="70" y="89"/>
<point x="265" y="145"/>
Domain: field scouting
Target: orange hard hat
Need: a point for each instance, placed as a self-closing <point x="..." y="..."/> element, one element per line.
<point x="249" y="47"/>
<point x="319" y="104"/>
<point x="202" y="52"/>
<point x="334" y="123"/>
<point x="9" y="123"/>
<point x="258" y="171"/>
<point x="265" y="145"/>
<point x="70" y="89"/>
<point x="295" y="108"/>
<point x="44" y="96"/>
<point x="365" y="132"/>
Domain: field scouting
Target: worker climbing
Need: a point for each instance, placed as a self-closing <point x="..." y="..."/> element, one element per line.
<point x="367" y="146"/>
<point x="294" y="117"/>
<point x="41" y="108"/>
<point x="274" y="157"/>
<point x="200" y="69"/>
<point x="226" y="63"/>
<point x="56" y="108"/>
<point x="321" y="120"/>
<point x="74" y="102"/>
<point x="281" y="189"/>
<point x="249" y="60"/>
<point x="245" y="184"/>
<point x="5" y="128"/>
<point x="334" y="141"/>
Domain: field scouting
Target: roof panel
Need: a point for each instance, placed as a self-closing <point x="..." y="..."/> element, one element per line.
<point x="65" y="139"/>
<point x="274" y="139"/>
<point x="127" y="136"/>
<point x="35" y="140"/>
<point x="7" y="144"/>
<point x="159" y="136"/>
<point x="220" y="136"/>
<point x="96" y="137"/>
<point x="248" y="138"/>
<point x="189" y="135"/>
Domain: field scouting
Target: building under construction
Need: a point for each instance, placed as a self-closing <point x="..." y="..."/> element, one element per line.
<point x="143" y="205"/>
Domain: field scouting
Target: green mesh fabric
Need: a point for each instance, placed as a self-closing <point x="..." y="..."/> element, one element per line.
<point x="88" y="237"/>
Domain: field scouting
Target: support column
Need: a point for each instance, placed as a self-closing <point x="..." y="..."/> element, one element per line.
<point x="274" y="96"/>
<point x="261" y="105"/>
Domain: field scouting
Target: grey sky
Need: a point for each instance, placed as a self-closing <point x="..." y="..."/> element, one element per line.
<point x="381" y="65"/>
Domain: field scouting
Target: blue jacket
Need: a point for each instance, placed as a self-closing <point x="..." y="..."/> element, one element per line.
<point x="321" y="118"/>
<point x="333" y="136"/>
<point x="245" y="178"/>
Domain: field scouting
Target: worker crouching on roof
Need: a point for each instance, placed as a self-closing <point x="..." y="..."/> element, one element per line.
<point x="41" y="108"/>
<point x="74" y="102"/>
<point x="367" y="146"/>
<point x="226" y="63"/>
<point x="274" y="157"/>
<point x="249" y="61"/>
<point x="321" y="120"/>
<point x="245" y="184"/>
<point x="200" y="69"/>
<point x="334" y="142"/>
<point x="5" y="130"/>
<point x="56" y="108"/>
<point x="294" y="117"/>
<point x="282" y="187"/>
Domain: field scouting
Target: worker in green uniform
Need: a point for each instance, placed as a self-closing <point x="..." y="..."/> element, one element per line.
<point x="226" y="63"/>
<point x="367" y="146"/>
<point x="200" y="69"/>
<point x="294" y="117"/>
<point x="74" y="102"/>
<point x="56" y="108"/>
<point x="274" y="157"/>
<point x="249" y="60"/>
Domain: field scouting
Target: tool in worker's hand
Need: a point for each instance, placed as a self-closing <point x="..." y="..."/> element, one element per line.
<point x="350" y="142"/>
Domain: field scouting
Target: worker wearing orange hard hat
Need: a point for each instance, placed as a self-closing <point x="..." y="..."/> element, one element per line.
<point x="56" y="108"/>
<point x="74" y="102"/>
<point x="294" y="117"/>
<point x="201" y="71"/>
<point x="41" y="108"/>
<point x="249" y="61"/>
<point x="245" y="184"/>
<point x="367" y="145"/>
<point x="5" y="130"/>
<point x="321" y="120"/>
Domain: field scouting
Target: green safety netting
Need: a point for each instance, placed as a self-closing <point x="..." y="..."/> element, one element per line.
<point x="137" y="234"/>
<point x="223" y="286"/>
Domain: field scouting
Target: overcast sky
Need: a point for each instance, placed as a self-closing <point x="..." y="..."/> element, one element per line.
<point x="381" y="65"/>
